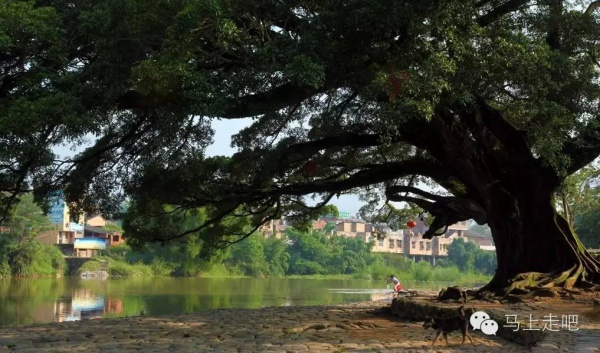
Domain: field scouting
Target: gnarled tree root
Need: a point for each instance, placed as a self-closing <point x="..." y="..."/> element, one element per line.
<point x="537" y="284"/>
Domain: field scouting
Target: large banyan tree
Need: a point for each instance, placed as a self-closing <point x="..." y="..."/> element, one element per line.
<point x="495" y="101"/>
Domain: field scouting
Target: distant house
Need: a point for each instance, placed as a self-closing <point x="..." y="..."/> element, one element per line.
<point x="113" y="238"/>
<point x="410" y="242"/>
<point x="274" y="228"/>
<point x="484" y="242"/>
<point x="94" y="240"/>
<point x="95" y="221"/>
<point x="69" y="232"/>
<point x="68" y="227"/>
<point x="406" y="242"/>
<point x="88" y="247"/>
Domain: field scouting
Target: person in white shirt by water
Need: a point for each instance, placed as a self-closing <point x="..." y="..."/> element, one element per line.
<point x="396" y="282"/>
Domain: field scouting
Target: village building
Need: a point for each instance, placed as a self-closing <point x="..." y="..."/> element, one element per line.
<point x="81" y="236"/>
<point x="485" y="243"/>
<point x="406" y="242"/>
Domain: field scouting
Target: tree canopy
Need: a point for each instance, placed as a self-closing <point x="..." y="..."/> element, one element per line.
<point x="496" y="101"/>
<point x="20" y="253"/>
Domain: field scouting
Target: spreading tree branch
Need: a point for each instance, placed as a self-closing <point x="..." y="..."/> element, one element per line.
<point x="504" y="130"/>
<point x="396" y="189"/>
<point x="553" y="37"/>
<point x="424" y="204"/>
<point x="583" y="148"/>
<point x="250" y="105"/>
<point x="592" y="7"/>
<point x="374" y="174"/>
<point x="500" y="11"/>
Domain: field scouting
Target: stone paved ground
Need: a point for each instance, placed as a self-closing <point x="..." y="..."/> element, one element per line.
<point x="348" y="328"/>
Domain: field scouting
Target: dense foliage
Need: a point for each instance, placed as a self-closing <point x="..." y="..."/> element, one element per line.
<point x="588" y="227"/>
<point x="579" y="202"/>
<point x="20" y="253"/>
<point x="296" y="254"/>
<point x="468" y="257"/>
<point x="579" y="195"/>
<point x="495" y="101"/>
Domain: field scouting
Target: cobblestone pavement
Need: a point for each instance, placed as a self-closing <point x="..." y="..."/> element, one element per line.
<point x="347" y="328"/>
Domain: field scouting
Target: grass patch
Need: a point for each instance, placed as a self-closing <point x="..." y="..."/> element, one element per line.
<point x="408" y="270"/>
<point x="220" y="270"/>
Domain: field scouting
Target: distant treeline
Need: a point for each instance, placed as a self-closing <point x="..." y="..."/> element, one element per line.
<point x="296" y="254"/>
<point x="20" y="254"/>
<point x="315" y="253"/>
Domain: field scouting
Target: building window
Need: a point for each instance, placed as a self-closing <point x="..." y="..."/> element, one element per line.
<point x="428" y="246"/>
<point x="391" y="243"/>
<point x="413" y="244"/>
<point x="399" y="243"/>
<point x="115" y="238"/>
<point x="381" y="242"/>
<point x="421" y="246"/>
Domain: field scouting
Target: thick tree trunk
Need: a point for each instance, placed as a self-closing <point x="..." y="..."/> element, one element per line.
<point x="535" y="245"/>
<point x="499" y="173"/>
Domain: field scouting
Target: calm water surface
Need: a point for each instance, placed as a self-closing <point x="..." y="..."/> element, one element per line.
<point x="71" y="299"/>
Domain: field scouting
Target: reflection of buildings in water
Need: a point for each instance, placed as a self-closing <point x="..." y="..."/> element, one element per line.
<point x="85" y="304"/>
<point x="63" y="310"/>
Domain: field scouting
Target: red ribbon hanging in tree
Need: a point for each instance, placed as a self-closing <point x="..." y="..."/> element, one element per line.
<point x="311" y="167"/>
<point x="397" y="79"/>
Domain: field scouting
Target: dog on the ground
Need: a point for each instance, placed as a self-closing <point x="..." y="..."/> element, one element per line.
<point x="449" y="324"/>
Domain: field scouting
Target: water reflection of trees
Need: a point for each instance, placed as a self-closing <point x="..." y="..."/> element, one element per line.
<point x="52" y="300"/>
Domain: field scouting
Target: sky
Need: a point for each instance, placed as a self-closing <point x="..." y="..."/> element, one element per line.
<point x="224" y="129"/>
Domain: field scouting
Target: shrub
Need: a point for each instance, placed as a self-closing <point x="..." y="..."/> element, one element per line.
<point x="5" y="270"/>
<point x="422" y="271"/>
<point x="161" y="268"/>
<point x="443" y="263"/>
<point x="92" y="265"/>
<point x="117" y="252"/>
<point x="444" y="274"/>
<point x="141" y="270"/>
<point x="220" y="270"/>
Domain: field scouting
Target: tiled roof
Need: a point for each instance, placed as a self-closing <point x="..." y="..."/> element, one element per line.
<point x="473" y="234"/>
<point x="98" y="230"/>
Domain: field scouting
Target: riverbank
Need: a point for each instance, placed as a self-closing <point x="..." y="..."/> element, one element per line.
<point x="405" y="269"/>
<point x="360" y="327"/>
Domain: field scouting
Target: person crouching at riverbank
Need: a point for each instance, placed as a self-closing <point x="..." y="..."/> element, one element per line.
<point x="396" y="283"/>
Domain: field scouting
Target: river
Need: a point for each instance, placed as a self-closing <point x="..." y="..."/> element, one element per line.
<point x="28" y="301"/>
